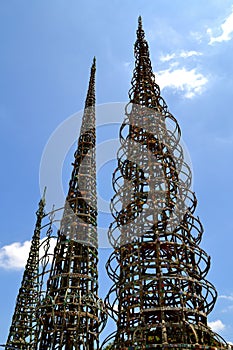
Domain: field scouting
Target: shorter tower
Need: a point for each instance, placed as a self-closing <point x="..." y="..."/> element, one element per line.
<point x="23" y="329"/>
<point x="72" y="314"/>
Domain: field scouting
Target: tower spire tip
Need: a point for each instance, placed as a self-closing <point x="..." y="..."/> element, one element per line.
<point x="44" y="192"/>
<point x="140" y="23"/>
<point x="140" y="31"/>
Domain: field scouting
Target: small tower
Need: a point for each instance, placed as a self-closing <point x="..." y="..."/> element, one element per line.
<point x="23" y="329"/>
<point x="71" y="313"/>
<point x="160" y="297"/>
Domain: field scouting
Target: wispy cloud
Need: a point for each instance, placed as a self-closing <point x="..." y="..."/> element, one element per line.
<point x="14" y="256"/>
<point x="227" y="305"/>
<point x="197" y="36"/>
<point x="226" y="29"/>
<point x="228" y="297"/>
<point x="177" y="77"/>
<point x="181" y="54"/>
<point x="190" y="82"/>
<point x="216" y="326"/>
<point x="168" y="57"/>
<point x="186" y="54"/>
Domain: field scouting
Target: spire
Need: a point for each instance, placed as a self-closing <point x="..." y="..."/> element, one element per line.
<point x="82" y="198"/>
<point x="145" y="91"/>
<point x="140" y="32"/>
<point x="23" y="329"/>
<point x="140" y="22"/>
<point x="72" y="314"/>
<point x="157" y="267"/>
<point x="90" y="99"/>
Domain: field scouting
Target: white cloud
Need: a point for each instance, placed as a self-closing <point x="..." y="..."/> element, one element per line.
<point x="228" y="297"/>
<point x="167" y="57"/>
<point x="197" y="36"/>
<point x="227" y="31"/>
<point x="190" y="82"/>
<point x="14" y="256"/>
<point x="216" y="326"/>
<point x="186" y="54"/>
<point x="181" y="54"/>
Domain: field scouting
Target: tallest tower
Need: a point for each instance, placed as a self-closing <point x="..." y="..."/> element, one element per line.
<point x="160" y="297"/>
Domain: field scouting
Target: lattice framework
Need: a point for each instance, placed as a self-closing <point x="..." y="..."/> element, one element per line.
<point x="71" y="313"/>
<point x="23" y="330"/>
<point x="160" y="296"/>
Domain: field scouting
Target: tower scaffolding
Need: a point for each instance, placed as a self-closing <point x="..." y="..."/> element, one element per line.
<point x="72" y="315"/>
<point x="160" y="297"/>
<point x="23" y="329"/>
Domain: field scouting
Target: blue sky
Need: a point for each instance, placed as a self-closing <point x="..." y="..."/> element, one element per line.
<point x="46" y="52"/>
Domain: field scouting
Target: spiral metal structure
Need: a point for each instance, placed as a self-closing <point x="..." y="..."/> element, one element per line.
<point x="160" y="297"/>
<point x="71" y="314"/>
<point x="23" y="329"/>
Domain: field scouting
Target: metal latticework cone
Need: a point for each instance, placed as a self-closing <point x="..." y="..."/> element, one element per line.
<point x="72" y="314"/>
<point x="160" y="297"/>
<point x="23" y="329"/>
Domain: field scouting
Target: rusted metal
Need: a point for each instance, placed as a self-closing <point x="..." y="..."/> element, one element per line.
<point x="160" y="297"/>
<point x="71" y="313"/>
<point x="23" y="329"/>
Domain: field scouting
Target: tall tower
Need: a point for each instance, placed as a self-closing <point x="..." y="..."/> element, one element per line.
<point x="71" y="313"/>
<point x="23" y="329"/>
<point x="160" y="297"/>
